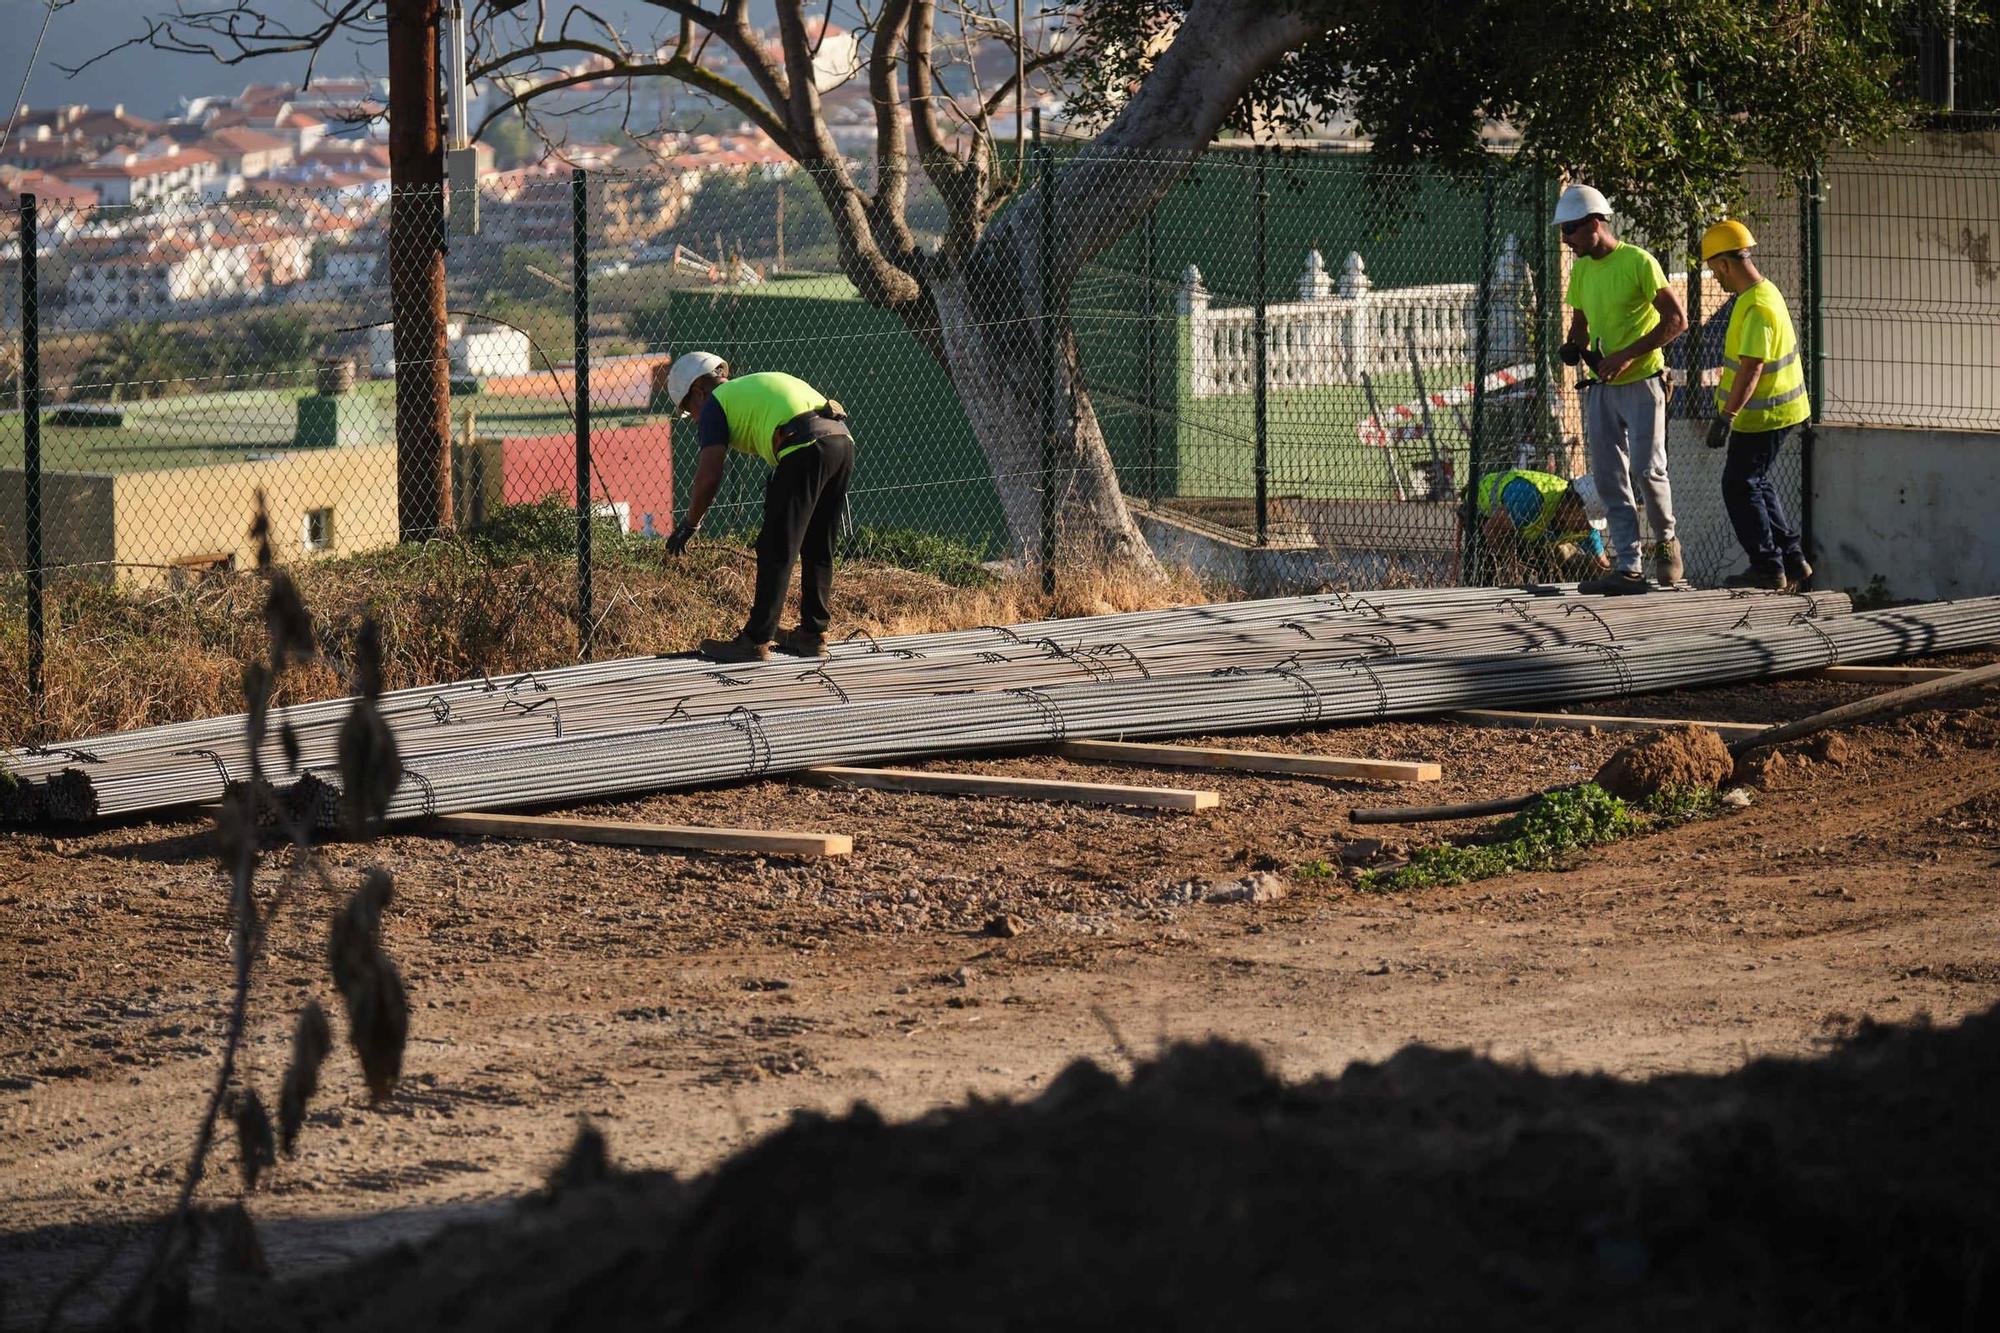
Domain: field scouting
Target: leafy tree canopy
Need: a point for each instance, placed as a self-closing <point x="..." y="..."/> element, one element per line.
<point x="1663" y="104"/>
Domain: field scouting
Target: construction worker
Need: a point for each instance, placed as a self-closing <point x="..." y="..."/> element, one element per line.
<point x="1536" y="525"/>
<point x="802" y="434"/>
<point x="1623" y="313"/>
<point x="1759" y="398"/>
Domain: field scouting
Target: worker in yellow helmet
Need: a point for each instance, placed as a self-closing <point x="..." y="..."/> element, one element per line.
<point x="1760" y="397"/>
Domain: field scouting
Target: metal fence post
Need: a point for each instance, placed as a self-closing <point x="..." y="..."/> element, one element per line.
<point x="1044" y="180"/>
<point x="1547" y="431"/>
<point x="579" y="227"/>
<point x="1811" y="258"/>
<point x="1477" y="445"/>
<point x="1262" y="342"/>
<point x="1149" y="353"/>
<point x="1691" y="346"/>
<point x="31" y="436"/>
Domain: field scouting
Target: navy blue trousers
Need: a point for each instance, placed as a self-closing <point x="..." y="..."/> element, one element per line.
<point x="1755" y="510"/>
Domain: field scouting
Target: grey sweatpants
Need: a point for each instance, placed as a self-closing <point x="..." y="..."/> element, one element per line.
<point x="1626" y="428"/>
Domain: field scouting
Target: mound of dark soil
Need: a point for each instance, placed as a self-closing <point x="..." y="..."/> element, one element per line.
<point x="1436" y="1190"/>
<point x="1680" y="757"/>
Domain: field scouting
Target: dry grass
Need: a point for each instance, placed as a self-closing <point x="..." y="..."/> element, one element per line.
<point x="123" y="658"/>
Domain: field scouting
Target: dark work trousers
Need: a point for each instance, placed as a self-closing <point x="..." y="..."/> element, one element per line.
<point x="802" y="507"/>
<point x="1755" y="510"/>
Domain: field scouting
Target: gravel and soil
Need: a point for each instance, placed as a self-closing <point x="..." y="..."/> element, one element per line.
<point x="689" y="1005"/>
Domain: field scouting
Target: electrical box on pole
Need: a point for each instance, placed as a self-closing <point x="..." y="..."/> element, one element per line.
<point x="461" y="160"/>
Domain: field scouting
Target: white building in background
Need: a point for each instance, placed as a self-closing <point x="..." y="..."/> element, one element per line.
<point x="162" y="169"/>
<point x="487" y="351"/>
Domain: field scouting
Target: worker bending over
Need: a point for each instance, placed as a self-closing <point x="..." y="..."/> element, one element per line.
<point x="802" y="434"/>
<point x="1539" y="527"/>
<point x="1759" y="398"/>
<point x="1623" y="314"/>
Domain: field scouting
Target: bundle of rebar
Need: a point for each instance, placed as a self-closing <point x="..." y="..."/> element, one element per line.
<point x="187" y="763"/>
<point x="747" y="744"/>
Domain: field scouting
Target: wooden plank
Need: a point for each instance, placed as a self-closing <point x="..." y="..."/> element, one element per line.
<point x="1250" y="761"/>
<point x="1039" y="789"/>
<point x="1489" y="717"/>
<point x="1886" y="675"/>
<point x="620" y="833"/>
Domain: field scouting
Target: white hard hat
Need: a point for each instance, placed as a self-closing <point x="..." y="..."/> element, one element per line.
<point x="1579" y="202"/>
<point x="688" y="368"/>
<point x="1585" y="487"/>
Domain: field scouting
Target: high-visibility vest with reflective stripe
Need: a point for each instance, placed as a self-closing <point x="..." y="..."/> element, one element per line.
<point x="1552" y="488"/>
<point x="756" y="405"/>
<point x="1779" y="399"/>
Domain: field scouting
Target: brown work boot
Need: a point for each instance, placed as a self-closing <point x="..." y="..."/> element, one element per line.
<point x="738" y="649"/>
<point x="800" y="642"/>
<point x="1667" y="562"/>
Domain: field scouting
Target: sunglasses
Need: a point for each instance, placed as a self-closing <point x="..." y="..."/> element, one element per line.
<point x="1572" y="228"/>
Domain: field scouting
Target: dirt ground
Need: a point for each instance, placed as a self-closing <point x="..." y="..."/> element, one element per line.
<point x="690" y="1004"/>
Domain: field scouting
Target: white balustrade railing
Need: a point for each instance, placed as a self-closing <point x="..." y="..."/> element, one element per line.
<point x="1340" y="330"/>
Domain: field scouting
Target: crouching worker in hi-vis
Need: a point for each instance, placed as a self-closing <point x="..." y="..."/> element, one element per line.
<point x="1760" y="397"/>
<point x="802" y="434"/>
<point x="1536" y="526"/>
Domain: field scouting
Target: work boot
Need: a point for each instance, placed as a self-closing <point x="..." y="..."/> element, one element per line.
<point x="1798" y="572"/>
<point x="1768" y="578"/>
<point x="801" y="642"/>
<point x="738" y="649"/>
<point x="1618" y="583"/>
<point x="1667" y="562"/>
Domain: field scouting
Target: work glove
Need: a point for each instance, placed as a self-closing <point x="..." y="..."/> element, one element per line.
<point x="1718" y="432"/>
<point x="1571" y="354"/>
<point x="677" y="540"/>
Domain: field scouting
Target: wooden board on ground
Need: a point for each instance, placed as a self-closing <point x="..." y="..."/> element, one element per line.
<point x="1249" y="761"/>
<point x="620" y="833"/>
<point x="1490" y="717"/>
<point x="1886" y="675"/>
<point x="1038" y="789"/>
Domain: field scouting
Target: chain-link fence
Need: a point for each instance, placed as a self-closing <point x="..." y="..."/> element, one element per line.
<point x="1276" y="365"/>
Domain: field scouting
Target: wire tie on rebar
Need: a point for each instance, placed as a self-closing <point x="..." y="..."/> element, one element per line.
<point x="554" y="704"/>
<point x="1097" y="671"/>
<point x="1116" y="649"/>
<point x="724" y="677"/>
<point x="1315" y="704"/>
<point x="680" y="710"/>
<point x="1293" y="624"/>
<point x="1832" y="648"/>
<point x="752" y="727"/>
<point x="907" y="654"/>
<point x="854" y="634"/>
<point x="1382" y="641"/>
<point x="819" y="673"/>
<point x="994" y="658"/>
<point x="215" y="759"/>
<point x="1052" y="716"/>
<point x="1515" y="604"/>
<point x="440" y="709"/>
<point x="63" y="752"/>
<point x="1362" y="603"/>
<point x="1590" y="611"/>
<point x="1360" y="665"/>
<point x="1002" y="630"/>
<point x="527" y="678"/>
<point x="1615" y="655"/>
<point x="1229" y="671"/>
<point x="424" y="785"/>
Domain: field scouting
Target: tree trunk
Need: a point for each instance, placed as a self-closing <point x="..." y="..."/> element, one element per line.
<point x="416" y="274"/>
<point x="991" y="347"/>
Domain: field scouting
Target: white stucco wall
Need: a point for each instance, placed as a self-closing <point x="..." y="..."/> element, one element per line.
<point x="1918" y="508"/>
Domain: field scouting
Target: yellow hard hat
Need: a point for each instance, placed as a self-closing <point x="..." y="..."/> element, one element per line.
<point x="1724" y="236"/>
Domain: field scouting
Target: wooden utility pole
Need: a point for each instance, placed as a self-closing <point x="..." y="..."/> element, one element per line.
<point x="416" y="273"/>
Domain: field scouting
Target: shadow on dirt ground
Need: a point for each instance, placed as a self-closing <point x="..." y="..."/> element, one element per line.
<point x="1860" y="1189"/>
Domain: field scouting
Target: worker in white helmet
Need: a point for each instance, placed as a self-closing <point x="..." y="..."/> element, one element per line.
<point x="802" y="435"/>
<point x="1622" y="314"/>
<point x="1759" y="399"/>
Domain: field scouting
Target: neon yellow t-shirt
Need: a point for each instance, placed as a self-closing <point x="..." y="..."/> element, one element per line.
<point x="1616" y="294"/>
